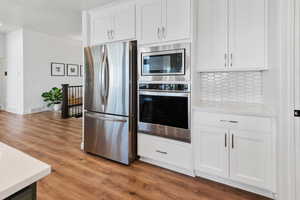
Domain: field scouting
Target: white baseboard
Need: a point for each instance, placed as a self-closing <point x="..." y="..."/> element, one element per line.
<point x="38" y="110"/>
<point x="168" y="166"/>
<point x="234" y="184"/>
<point x="30" y="111"/>
<point x="12" y="110"/>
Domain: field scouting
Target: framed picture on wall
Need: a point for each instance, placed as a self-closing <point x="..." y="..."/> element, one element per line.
<point x="57" y="69"/>
<point x="72" y="70"/>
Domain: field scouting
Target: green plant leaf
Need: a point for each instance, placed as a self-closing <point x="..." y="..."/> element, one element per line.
<point x="54" y="96"/>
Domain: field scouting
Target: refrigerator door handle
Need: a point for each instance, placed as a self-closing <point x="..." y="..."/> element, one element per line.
<point x="98" y="116"/>
<point x="106" y="76"/>
<point x="103" y="74"/>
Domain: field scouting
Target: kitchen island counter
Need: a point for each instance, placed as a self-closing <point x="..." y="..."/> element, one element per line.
<point x="19" y="171"/>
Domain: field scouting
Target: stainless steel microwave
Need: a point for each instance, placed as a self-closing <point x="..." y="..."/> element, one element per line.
<point x="165" y="63"/>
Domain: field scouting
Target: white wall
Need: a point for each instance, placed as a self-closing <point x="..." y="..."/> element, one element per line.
<point x="28" y="56"/>
<point x="14" y="63"/>
<point x="2" y="45"/>
<point x="39" y="51"/>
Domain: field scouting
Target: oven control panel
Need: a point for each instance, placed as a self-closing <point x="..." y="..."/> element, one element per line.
<point x="165" y="87"/>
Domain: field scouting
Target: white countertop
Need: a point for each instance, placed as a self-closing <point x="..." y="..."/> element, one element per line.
<point x="259" y="110"/>
<point x="18" y="170"/>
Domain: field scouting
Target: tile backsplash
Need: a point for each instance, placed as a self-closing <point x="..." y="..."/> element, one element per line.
<point x="243" y="87"/>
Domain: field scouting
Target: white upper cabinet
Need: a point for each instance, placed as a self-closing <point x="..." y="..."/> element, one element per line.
<point x="163" y="20"/>
<point x="250" y="158"/>
<point x="232" y="35"/>
<point x="124" y="22"/>
<point x="247" y="45"/>
<point x="212" y="39"/>
<point x="149" y="21"/>
<point x="101" y="27"/>
<point x="113" y="24"/>
<point x="177" y="23"/>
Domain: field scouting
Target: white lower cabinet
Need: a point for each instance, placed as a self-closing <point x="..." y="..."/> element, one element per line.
<point x="214" y="141"/>
<point x="166" y="153"/>
<point x="239" y="154"/>
<point x="250" y="158"/>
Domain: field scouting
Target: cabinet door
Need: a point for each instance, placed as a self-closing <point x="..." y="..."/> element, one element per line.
<point x="212" y="34"/>
<point x="149" y="16"/>
<point x="247" y="32"/>
<point x="100" y="27"/>
<point x="250" y="158"/>
<point x="124" y="22"/>
<point x="212" y="150"/>
<point x="176" y="19"/>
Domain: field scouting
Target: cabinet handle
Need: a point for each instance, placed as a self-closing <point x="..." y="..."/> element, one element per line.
<point x="112" y="34"/>
<point x="225" y="58"/>
<point x="232" y="141"/>
<point x="225" y="140"/>
<point x="161" y="152"/>
<point x="108" y="34"/>
<point x="229" y="121"/>
<point x="224" y="121"/>
<point x="231" y="58"/>
<point x="163" y="32"/>
<point x="158" y="33"/>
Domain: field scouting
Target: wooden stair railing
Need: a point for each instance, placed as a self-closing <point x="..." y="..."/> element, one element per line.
<point x="72" y="103"/>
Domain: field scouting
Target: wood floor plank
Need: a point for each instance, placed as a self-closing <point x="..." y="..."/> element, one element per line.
<point x="80" y="176"/>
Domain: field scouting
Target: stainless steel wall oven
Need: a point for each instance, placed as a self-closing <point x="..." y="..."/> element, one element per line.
<point x="164" y="110"/>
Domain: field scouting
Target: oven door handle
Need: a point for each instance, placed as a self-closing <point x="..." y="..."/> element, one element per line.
<point x="168" y="94"/>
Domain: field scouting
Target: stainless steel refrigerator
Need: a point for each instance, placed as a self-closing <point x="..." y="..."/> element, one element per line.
<point x="110" y="101"/>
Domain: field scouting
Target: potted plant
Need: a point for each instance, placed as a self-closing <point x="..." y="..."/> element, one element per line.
<point x="53" y="98"/>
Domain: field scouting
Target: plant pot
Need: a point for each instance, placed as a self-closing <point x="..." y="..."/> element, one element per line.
<point x="57" y="107"/>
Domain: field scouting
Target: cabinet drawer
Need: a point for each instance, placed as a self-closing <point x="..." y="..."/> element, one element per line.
<point x="260" y="124"/>
<point x="171" y="152"/>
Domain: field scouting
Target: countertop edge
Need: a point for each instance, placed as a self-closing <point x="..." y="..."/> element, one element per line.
<point x="243" y="113"/>
<point x="24" y="183"/>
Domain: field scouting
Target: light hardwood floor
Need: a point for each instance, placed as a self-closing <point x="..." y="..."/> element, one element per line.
<point x="79" y="176"/>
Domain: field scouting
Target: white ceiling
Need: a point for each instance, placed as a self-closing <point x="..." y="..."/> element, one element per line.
<point x="56" y="17"/>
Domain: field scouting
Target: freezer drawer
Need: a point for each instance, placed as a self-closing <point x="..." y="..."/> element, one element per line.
<point x="108" y="136"/>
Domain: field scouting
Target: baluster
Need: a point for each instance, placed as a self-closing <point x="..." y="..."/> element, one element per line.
<point x="65" y="101"/>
